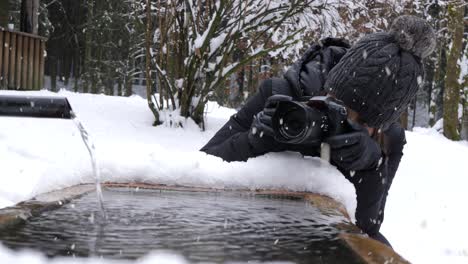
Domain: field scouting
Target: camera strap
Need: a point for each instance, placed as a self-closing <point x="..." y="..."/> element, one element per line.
<point x="325" y="150"/>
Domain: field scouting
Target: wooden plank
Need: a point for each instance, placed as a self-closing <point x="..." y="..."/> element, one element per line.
<point x="35" y="16"/>
<point x="6" y="58"/>
<point x="369" y="250"/>
<point x="29" y="85"/>
<point x="28" y="35"/>
<point x="24" y="64"/>
<point x="19" y="61"/>
<point x="11" y="76"/>
<point x="1" y="57"/>
<point x="37" y="50"/>
<point x="41" y="64"/>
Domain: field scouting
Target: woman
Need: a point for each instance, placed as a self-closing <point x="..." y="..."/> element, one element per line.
<point x="376" y="79"/>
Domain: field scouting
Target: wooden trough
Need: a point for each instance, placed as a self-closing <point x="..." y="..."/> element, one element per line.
<point x="365" y="248"/>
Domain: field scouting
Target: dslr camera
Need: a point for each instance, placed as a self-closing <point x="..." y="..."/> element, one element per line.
<point x="309" y="120"/>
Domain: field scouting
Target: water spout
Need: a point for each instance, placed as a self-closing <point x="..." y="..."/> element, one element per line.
<point x="92" y="154"/>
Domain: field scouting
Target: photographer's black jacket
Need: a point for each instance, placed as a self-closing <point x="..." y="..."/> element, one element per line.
<point x="306" y="77"/>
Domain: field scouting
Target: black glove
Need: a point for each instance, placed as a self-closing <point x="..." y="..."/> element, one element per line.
<point x="355" y="150"/>
<point x="261" y="132"/>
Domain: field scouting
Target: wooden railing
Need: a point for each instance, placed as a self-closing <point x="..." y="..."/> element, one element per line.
<point x="21" y="60"/>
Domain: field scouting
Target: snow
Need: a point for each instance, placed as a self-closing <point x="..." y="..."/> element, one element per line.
<point x="198" y="43"/>
<point x="426" y="212"/>
<point x="30" y="257"/>
<point x="463" y="63"/>
<point x="216" y="42"/>
<point x="48" y="154"/>
<point x="425" y="208"/>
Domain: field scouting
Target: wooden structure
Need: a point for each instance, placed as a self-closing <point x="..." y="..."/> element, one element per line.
<point x="366" y="250"/>
<point x="21" y="60"/>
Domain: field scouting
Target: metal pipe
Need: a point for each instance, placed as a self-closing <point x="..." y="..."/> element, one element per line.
<point x="35" y="106"/>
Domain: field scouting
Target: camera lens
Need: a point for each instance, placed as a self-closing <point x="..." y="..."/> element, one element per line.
<point x="309" y="122"/>
<point x="293" y="123"/>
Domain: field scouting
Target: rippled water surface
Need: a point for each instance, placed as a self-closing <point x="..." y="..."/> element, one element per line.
<point x="214" y="227"/>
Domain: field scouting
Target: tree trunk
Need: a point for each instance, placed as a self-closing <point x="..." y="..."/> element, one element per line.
<point x="430" y="65"/>
<point x="413" y="122"/>
<point x="97" y="80"/>
<point x="109" y="83"/>
<point x="197" y="115"/>
<point x="119" y="86"/>
<point x="67" y="56"/>
<point x="452" y="87"/>
<point x="149" y="81"/>
<point x="29" y="16"/>
<point x="128" y="86"/>
<point x="436" y="106"/>
<point x="76" y="68"/>
<point x="76" y="87"/>
<point x="53" y="73"/>
<point x="464" y="127"/>
<point x="87" y="46"/>
<point x="464" y="123"/>
<point x="35" y="16"/>
<point x="250" y="81"/>
<point x="26" y="16"/>
<point x="4" y="13"/>
<point x="404" y="119"/>
<point x="436" y="96"/>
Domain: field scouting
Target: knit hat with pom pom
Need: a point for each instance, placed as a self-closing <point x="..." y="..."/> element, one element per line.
<point x="381" y="73"/>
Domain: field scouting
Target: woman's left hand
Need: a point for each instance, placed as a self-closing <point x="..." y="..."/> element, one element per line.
<point x="354" y="151"/>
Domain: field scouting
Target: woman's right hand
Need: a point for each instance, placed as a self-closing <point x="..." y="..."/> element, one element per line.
<point x="262" y="122"/>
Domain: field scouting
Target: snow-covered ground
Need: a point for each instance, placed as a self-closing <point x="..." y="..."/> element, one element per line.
<point x="30" y="257"/>
<point x="425" y="212"/>
<point x="426" y="216"/>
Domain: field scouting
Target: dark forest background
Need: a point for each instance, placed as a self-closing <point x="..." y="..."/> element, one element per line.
<point x="154" y="49"/>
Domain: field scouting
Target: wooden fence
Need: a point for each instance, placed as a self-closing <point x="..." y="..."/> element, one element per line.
<point x="21" y="60"/>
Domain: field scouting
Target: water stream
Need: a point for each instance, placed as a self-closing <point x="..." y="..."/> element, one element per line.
<point x="92" y="154"/>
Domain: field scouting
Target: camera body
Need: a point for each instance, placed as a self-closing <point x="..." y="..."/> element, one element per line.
<point x="309" y="120"/>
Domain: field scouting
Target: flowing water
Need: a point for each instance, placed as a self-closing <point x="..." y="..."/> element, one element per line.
<point x="92" y="154"/>
<point x="202" y="227"/>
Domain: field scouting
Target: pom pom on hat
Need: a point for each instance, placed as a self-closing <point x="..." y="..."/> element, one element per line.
<point x="414" y="35"/>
